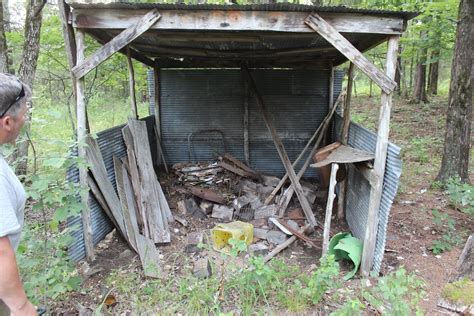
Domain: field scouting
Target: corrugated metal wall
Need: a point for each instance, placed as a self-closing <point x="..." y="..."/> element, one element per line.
<point x="358" y="194"/>
<point x="111" y="144"/>
<point x="193" y="101"/>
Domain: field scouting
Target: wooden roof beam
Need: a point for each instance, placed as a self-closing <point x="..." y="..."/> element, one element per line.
<point x="318" y="24"/>
<point x="221" y="20"/>
<point x="116" y="44"/>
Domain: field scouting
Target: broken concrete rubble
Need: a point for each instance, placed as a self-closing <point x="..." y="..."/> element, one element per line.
<point x="222" y="212"/>
<point x="270" y="181"/>
<point x="206" y="207"/>
<point x="192" y="242"/>
<point x="265" y="211"/>
<point x="202" y="268"/>
<point x="258" y="249"/>
<point x="190" y="207"/>
<point x="276" y="237"/>
<point x="260" y="233"/>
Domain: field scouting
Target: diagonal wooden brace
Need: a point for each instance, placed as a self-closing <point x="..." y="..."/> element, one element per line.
<point x="281" y="151"/>
<point x="116" y="44"/>
<point x="328" y="32"/>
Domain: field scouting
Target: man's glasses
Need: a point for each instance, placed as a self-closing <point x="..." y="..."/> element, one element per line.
<point x="20" y="95"/>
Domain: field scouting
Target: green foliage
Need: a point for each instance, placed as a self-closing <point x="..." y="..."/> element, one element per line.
<point x="461" y="196"/>
<point x="325" y="277"/>
<point x="350" y="308"/>
<point x="237" y="246"/>
<point x="44" y="265"/>
<point x="450" y="237"/>
<point x="397" y="293"/>
<point x="460" y="292"/>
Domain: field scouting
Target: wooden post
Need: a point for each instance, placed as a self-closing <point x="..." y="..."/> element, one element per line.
<point x="379" y="163"/>
<point x="131" y="80"/>
<point x="246" y="123"/>
<point x="81" y="136"/>
<point x="329" y="206"/>
<point x="341" y="200"/>
<point x="282" y="152"/>
<point x="331" y="88"/>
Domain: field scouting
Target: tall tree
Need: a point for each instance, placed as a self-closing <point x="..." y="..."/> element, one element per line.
<point x="27" y="70"/>
<point x="4" y="59"/>
<point x="433" y="73"/>
<point x="457" y="143"/>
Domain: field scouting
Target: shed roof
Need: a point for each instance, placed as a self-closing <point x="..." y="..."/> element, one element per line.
<point x="264" y="35"/>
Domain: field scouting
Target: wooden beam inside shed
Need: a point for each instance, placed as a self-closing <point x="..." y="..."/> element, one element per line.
<point x="116" y="44"/>
<point x="379" y="162"/>
<point x="235" y="20"/>
<point x="327" y="31"/>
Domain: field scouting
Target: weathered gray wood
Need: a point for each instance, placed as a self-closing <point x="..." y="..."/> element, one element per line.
<point x="157" y="221"/>
<point x="329" y="206"/>
<point x="281" y="151"/>
<point x="367" y="173"/>
<point x="135" y="178"/>
<point x="286" y="197"/>
<point x="235" y="20"/>
<point x="160" y="149"/>
<point x="344" y="137"/>
<point x="149" y="257"/>
<point x="119" y="180"/>
<point x="379" y="162"/>
<point x="131" y="81"/>
<point x="345" y="154"/>
<point x="316" y="133"/>
<point x="327" y="31"/>
<point x="166" y="211"/>
<point x="131" y="202"/>
<point x="97" y="167"/>
<point x="240" y="164"/>
<point x="81" y="134"/>
<point x="465" y="265"/>
<point x="100" y="198"/>
<point x="284" y="245"/>
<point x="116" y="44"/>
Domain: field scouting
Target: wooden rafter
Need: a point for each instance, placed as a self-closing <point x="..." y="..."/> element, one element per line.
<point x="326" y="30"/>
<point x="116" y="44"/>
<point x="235" y="20"/>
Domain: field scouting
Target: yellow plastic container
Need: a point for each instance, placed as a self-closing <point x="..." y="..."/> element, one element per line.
<point x="237" y="230"/>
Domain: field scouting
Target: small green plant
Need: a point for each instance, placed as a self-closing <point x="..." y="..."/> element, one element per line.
<point x="461" y="196"/>
<point x="350" y="308"/>
<point x="461" y="292"/>
<point x="397" y="293"/>
<point x="237" y="246"/>
<point x="324" y="278"/>
<point x="450" y="238"/>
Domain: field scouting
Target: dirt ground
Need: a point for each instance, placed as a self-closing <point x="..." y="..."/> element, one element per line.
<point x="411" y="228"/>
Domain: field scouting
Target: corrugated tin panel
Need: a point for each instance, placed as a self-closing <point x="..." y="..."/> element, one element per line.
<point x="111" y="144"/>
<point x="151" y="91"/>
<point x="248" y="7"/>
<point x="359" y="189"/>
<point x="193" y="101"/>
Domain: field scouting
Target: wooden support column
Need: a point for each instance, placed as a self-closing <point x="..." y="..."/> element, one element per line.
<point x="81" y="136"/>
<point x="379" y="163"/>
<point x="281" y="151"/>
<point x="131" y="80"/>
<point x="341" y="200"/>
<point x="329" y="206"/>
<point x="246" y="123"/>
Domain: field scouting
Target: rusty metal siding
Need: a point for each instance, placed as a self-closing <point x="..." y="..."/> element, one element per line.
<point x="197" y="100"/>
<point x="358" y="194"/>
<point x="111" y="144"/>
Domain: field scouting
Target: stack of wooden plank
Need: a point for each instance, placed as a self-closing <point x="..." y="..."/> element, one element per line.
<point x="139" y="211"/>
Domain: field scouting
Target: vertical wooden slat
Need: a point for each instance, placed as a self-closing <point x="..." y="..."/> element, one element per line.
<point x="341" y="201"/>
<point x="379" y="163"/>
<point x="329" y="206"/>
<point x="81" y="136"/>
<point x="131" y="80"/>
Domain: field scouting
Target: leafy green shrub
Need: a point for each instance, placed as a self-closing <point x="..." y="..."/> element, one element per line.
<point x="450" y="238"/>
<point x="397" y="293"/>
<point x="350" y="308"/>
<point x="321" y="280"/>
<point x="461" y="195"/>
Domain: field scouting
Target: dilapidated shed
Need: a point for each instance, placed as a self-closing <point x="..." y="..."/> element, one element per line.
<point x="252" y="80"/>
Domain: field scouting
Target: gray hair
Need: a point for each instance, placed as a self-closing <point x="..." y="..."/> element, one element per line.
<point x="10" y="88"/>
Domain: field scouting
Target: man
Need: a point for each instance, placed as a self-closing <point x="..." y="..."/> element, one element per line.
<point x="14" y="98"/>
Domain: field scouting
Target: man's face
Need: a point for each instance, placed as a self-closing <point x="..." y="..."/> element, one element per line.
<point x="16" y="123"/>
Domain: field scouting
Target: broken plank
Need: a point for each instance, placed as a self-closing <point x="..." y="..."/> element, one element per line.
<point x="208" y="195"/>
<point x="116" y="44"/>
<point x="329" y="33"/>
<point x="329" y="206"/>
<point x="119" y="179"/>
<point x="281" y="150"/>
<point x="149" y="257"/>
<point x="240" y="164"/>
<point x="135" y="178"/>
<point x="284" y="245"/>
<point x="97" y="167"/>
<point x="131" y="201"/>
<point x="297" y="233"/>
<point x="157" y="222"/>
<point x="236" y="170"/>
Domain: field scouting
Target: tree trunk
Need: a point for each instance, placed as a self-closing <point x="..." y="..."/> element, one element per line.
<point x="433" y="74"/>
<point x="398" y="72"/>
<point x="419" y="89"/>
<point x="457" y="142"/>
<point x="4" y="60"/>
<point x="28" y="64"/>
